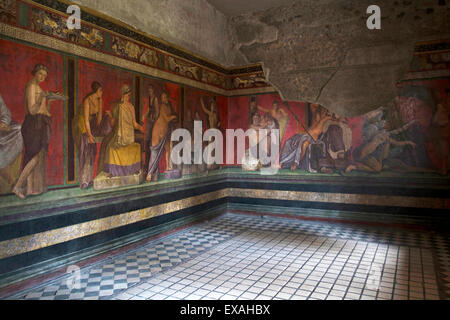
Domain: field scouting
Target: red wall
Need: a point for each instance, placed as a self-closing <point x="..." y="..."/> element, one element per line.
<point x="111" y="79"/>
<point x="17" y="62"/>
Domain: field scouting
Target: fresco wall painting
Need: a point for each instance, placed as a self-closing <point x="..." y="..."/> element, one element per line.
<point x="73" y="122"/>
<point x="409" y="135"/>
<point x="17" y="66"/>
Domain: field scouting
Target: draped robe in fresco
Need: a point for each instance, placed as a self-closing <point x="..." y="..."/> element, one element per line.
<point x="88" y="151"/>
<point x="11" y="142"/>
<point x="120" y="155"/>
<point x="36" y="133"/>
<point x="292" y="150"/>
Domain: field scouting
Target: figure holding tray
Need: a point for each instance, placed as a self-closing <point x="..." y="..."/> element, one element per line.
<point x="36" y="133"/>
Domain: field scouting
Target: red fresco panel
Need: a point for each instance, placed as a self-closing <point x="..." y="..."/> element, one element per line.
<point x="17" y="62"/>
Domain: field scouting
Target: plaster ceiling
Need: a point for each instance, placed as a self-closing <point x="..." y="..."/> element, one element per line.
<point x="237" y="7"/>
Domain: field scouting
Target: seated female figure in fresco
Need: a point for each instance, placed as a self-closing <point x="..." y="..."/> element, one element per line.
<point x="280" y="116"/>
<point x="120" y="155"/>
<point x="11" y="144"/>
<point x="87" y="125"/>
<point x="36" y="132"/>
<point x="161" y="137"/>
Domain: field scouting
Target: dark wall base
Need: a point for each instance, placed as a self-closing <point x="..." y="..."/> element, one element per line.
<point x="55" y="259"/>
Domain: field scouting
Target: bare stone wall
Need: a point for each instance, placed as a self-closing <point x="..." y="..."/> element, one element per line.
<point x="321" y="50"/>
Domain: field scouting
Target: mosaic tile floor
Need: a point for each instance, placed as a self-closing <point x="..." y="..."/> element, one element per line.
<point x="251" y="258"/>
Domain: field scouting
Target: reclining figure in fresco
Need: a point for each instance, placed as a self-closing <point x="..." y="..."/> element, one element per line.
<point x="11" y="145"/>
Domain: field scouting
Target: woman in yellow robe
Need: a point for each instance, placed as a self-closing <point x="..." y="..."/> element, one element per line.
<point x="120" y="155"/>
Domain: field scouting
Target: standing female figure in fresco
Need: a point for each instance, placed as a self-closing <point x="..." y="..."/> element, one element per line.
<point x="120" y="154"/>
<point x="87" y="125"/>
<point x="150" y="118"/>
<point x="160" y="137"/>
<point x="36" y="133"/>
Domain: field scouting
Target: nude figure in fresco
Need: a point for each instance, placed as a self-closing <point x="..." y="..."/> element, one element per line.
<point x="36" y="132"/>
<point x="11" y="145"/>
<point x="87" y="125"/>
<point x="149" y="118"/>
<point x="120" y="154"/>
<point x="160" y="137"/>
<point x="296" y="150"/>
<point x="212" y="113"/>
<point x="213" y="121"/>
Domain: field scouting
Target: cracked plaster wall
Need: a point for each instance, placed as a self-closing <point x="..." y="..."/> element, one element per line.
<point x="193" y="25"/>
<point x="322" y="51"/>
<point x="313" y="50"/>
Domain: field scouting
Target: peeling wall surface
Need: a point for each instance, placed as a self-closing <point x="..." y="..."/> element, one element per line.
<point x="323" y="52"/>
<point x="194" y="25"/>
<point x="312" y="51"/>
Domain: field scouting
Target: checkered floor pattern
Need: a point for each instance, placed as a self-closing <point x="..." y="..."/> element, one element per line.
<point x="249" y="257"/>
